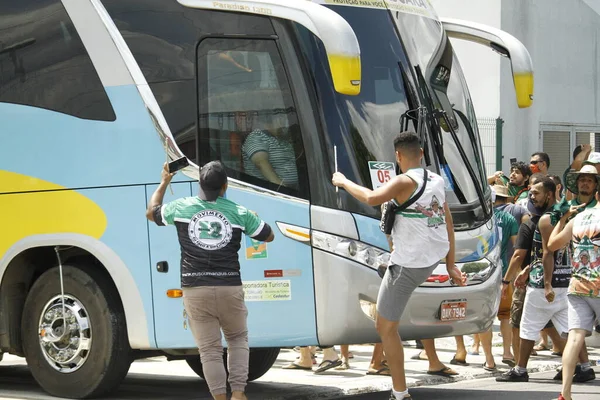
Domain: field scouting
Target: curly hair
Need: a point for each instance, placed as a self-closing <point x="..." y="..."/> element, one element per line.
<point x="522" y="168"/>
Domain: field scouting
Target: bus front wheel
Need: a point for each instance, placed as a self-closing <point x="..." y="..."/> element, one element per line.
<point x="261" y="360"/>
<point x="76" y="346"/>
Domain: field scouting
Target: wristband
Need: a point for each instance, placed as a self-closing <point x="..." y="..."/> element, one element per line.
<point x="505" y="282"/>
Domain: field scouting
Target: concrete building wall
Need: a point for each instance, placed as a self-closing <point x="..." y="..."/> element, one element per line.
<point x="562" y="37"/>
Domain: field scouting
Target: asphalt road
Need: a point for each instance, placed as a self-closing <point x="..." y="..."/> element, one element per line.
<point x="16" y="383"/>
<point x="540" y="387"/>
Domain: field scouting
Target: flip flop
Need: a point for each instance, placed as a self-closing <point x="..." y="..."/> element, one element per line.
<point x="293" y="365"/>
<point x="541" y="348"/>
<point x="509" y="361"/>
<point x="345" y="365"/>
<point x="382" y="371"/>
<point x="557" y="353"/>
<point x="418" y="357"/>
<point x="490" y="369"/>
<point x="445" y="372"/>
<point x="313" y="358"/>
<point x="456" y="361"/>
<point x="328" y="364"/>
<point x="473" y="353"/>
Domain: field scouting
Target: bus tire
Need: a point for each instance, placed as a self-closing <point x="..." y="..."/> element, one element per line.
<point x="261" y="360"/>
<point x="93" y="356"/>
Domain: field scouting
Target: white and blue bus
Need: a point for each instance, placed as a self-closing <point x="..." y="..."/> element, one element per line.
<point x="96" y="94"/>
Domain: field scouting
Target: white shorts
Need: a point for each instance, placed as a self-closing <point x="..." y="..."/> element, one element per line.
<point x="583" y="311"/>
<point x="537" y="311"/>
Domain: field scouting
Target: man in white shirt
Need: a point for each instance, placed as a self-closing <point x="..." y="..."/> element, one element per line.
<point x="414" y="229"/>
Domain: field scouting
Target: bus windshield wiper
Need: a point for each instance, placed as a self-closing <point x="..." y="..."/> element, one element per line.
<point x="419" y="119"/>
<point x="436" y="131"/>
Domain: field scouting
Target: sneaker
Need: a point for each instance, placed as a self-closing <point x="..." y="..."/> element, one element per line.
<point x="558" y="376"/>
<point x="584" y="375"/>
<point x="513" y="376"/>
<point x="561" y="397"/>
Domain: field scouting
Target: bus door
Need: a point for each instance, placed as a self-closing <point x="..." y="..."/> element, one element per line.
<point x="170" y="326"/>
<point x="247" y="119"/>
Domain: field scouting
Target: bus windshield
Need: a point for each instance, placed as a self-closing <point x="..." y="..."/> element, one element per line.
<point x="363" y="127"/>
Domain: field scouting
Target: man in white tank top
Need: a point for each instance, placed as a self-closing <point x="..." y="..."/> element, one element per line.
<point x="427" y="223"/>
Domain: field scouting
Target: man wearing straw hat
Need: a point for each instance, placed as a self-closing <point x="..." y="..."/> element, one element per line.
<point x="581" y="226"/>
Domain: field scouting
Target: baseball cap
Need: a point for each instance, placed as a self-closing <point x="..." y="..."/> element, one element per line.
<point x="593" y="159"/>
<point x="212" y="179"/>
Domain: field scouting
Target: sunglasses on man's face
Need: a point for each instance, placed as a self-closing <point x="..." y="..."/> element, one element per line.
<point x="534" y="162"/>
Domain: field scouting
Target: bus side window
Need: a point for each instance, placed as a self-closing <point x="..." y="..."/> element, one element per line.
<point x="43" y="62"/>
<point x="248" y="119"/>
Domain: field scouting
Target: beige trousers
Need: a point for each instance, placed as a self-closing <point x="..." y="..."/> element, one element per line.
<point x="211" y="309"/>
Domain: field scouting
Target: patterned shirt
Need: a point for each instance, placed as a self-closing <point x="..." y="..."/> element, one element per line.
<point x="280" y="152"/>
<point x="210" y="233"/>
<point x="585" y="280"/>
<point x="562" y="265"/>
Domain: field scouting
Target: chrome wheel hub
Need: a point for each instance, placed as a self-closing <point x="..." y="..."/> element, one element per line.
<point x="65" y="340"/>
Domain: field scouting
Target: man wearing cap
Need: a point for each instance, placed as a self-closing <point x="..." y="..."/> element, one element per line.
<point x="209" y="228"/>
<point x="508" y="228"/>
<point x="580" y="225"/>
<point x="580" y="154"/>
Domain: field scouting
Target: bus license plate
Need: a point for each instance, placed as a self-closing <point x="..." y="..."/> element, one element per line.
<point x="453" y="310"/>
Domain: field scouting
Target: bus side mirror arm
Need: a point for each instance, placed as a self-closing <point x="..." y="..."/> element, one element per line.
<point x="503" y="43"/>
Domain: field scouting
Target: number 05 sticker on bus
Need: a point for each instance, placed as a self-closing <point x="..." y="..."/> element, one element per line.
<point x="381" y="172"/>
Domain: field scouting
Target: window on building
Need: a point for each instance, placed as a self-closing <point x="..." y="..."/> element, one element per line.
<point x="247" y="117"/>
<point x="43" y="62"/>
<point x="559" y="142"/>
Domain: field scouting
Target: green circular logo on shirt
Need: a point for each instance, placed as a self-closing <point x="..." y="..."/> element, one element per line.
<point x="210" y="230"/>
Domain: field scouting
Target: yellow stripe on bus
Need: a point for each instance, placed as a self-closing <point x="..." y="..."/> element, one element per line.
<point x="50" y="211"/>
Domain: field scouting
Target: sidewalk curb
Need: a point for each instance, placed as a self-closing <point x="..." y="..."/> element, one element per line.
<point x="331" y="389"/>
<point x="329" y="392"/>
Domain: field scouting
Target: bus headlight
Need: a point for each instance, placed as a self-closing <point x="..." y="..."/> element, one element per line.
<point x="354" y="250"/>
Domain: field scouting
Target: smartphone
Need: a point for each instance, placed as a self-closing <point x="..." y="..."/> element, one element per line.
<point x="176" y="165"/>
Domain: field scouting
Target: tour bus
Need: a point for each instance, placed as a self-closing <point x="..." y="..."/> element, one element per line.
<point x="95" y="95"/>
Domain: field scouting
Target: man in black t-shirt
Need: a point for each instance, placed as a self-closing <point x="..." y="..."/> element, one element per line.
<point x="549" y="275"/>
<point x="209" y="229"/>
<point x="520" y="259"/>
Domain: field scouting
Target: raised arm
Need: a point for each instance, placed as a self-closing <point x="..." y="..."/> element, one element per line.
<point x="563" y="231"/>
<point x="400" y="187"/>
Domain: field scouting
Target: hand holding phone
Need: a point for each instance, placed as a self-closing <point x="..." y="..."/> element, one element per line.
<point x="176" y="165"/>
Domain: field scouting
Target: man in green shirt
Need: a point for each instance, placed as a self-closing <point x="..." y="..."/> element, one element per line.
<point x="508" y="228"/>
<point x="517" y="182"/>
